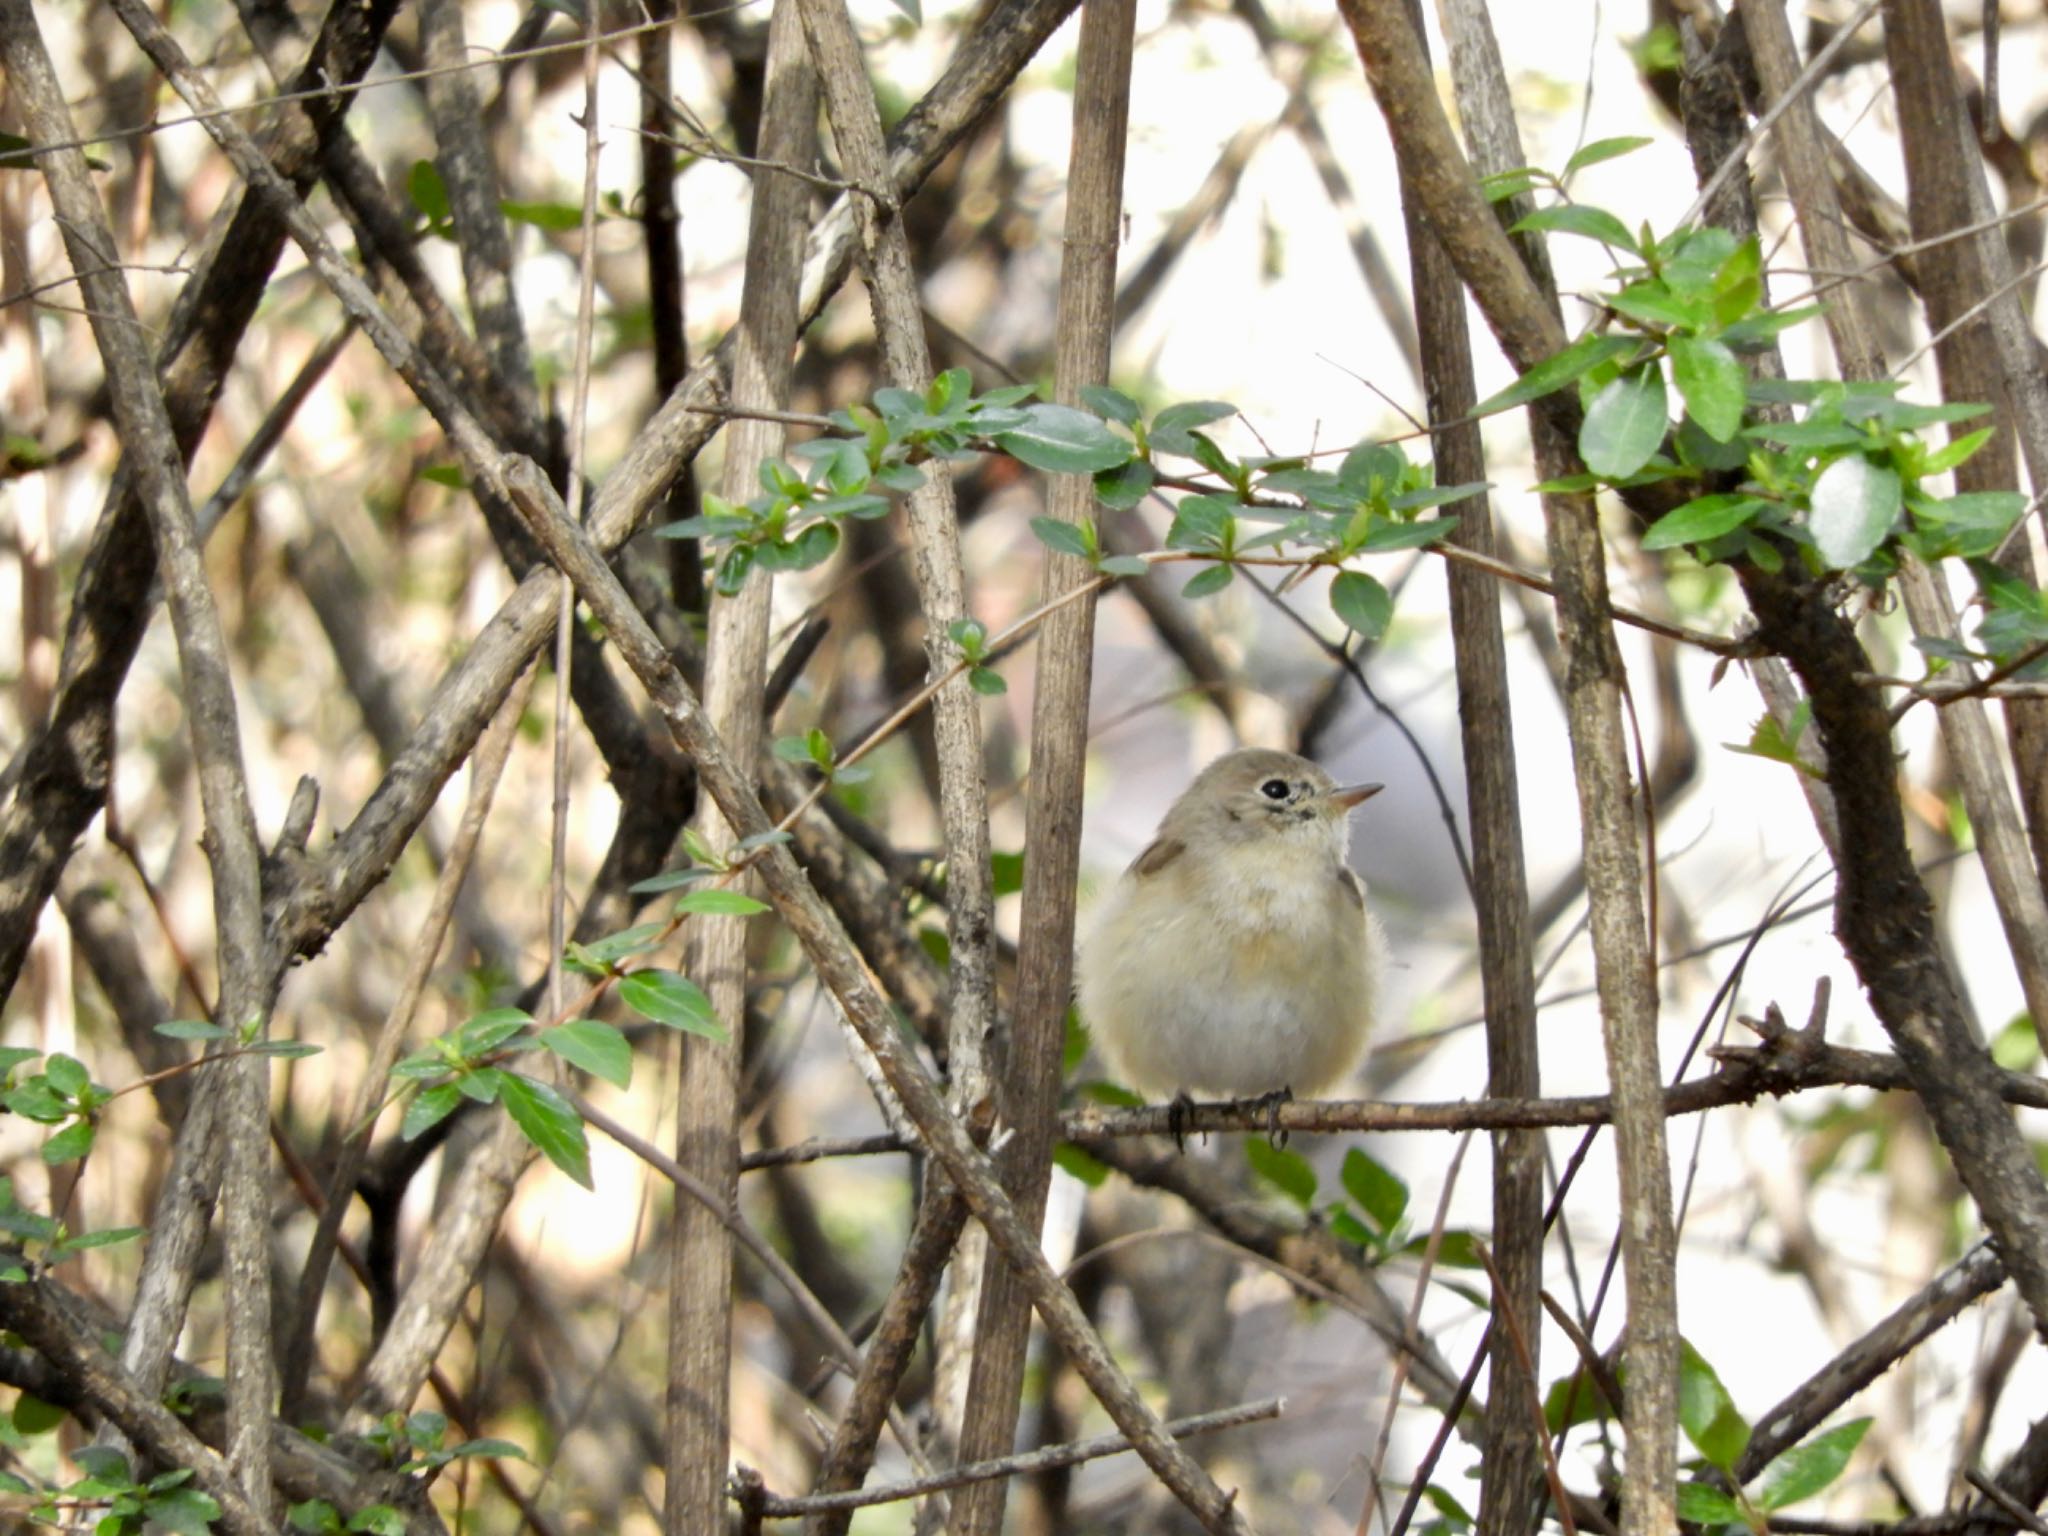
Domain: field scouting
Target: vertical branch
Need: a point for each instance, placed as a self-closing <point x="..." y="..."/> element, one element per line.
<point x="707" y="1121"/>
<point x="1510" y="1494"/>
<point x="229" y="836"/>
<point x="1528" y="328"/>
<point x="866" y="1011"/>
<point x="1059" y="743"/>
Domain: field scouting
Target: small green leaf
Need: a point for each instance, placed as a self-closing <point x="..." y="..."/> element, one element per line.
<point x="33" y="1416"/>
<point x="1602" y="149"/>
<point x="1110" y="404"/>
<point x="1288" y="1172"/>
<point x="1062" y="440"/>
<point x="285" y="1050"/>
<point x="551" y="1124"/>
<point x="1124" y="487"/>
<point x="429" y="1107"/>
<point x="1574" y="1399"/>
<point x="1172" y="430"/>
<point x="104" y="1237"/>
<point x="183" y="1511"/>
<point x="1377" y="1191"/>
<point x="674" y="1000"/>
<point x="558" y="217"/>
<point x="1080" y="1164"/>
<point x="1579" y="219"/>
<point x="1067" y="538"/>
<point x="67" y="1074"/>
<point x="193" y="1029"/>
<point x="1854" y="505"/>
<point x="674" y="879"/>
<point x="1210" y="579"/>
<point x="1713" y="384"/>
<point x="719" y="903"/>
<point x="1625" y="423"/>
<point x="1707" y="1506"/>
<point x="595" y="1047"/>
<point x="1701" y="519"/>
<point x="1362" y="603"/>
<point x="1123" y="565"/>
<point x="1558" y="370"/>
<point x="986" y="681"/>
<point x="69" y="1144"/>
<point x="316" y="1517"/>
<point x="427" y="191"/>
<point x="1806" y="1469"/>
<point x="1707" y="1413"/>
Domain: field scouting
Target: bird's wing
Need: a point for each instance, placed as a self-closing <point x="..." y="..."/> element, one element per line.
<point x="1158" y="856"/>
<point x="1352" y="886"/>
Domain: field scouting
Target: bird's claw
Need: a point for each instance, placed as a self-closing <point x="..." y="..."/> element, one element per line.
<point x="1178" y="1112"/>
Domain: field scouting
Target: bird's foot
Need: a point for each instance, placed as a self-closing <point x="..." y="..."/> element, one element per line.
<point x="1178" y="1112"/>
<point x="1270" y="1103"/>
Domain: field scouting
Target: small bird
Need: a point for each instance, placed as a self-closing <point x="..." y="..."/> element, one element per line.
<point x="1236" y="956"/>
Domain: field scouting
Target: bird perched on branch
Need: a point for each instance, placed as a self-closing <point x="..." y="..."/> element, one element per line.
<point x="1236" y="957"/>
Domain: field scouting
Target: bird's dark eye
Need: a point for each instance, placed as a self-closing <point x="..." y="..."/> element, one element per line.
<point x="1274" y="789"/>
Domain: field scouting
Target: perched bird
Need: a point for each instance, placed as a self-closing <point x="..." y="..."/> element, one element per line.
<point x="1236" y="958"/>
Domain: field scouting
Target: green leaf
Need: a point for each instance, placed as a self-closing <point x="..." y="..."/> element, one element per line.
<point x="1558" y="370"/>
<point x="1062" y="440"/>
<point x="551" y="1124"/>
<point x="1854" y="505"/>
<point x="1006" y="875"/>
<point x="1123" y="565"/>
<point x="1111" y="404"/>
<point x="193" y="1029"/>
<point x="377" y="1520"/>
<point x="1080" y="1164"/>
<point x="1067" y="538"/>
<point x="719" y="903"/>
<point x="1603" y="149"/>
<point x="1172" y="430"/>
<point x="105" y="1237"/>
<point x="316" y="1517"/>
<point x="482" y="1085"/>
<point x="429" y="1107"/>
<point x="285" y="1050"/>
<point x="484" y="1033"/>
<point x="674" y="1000"/>
<point x="986" y="681"/>
<point x="1701" y="519"/>
<point x="1124" y="487"/>
<point x="1416" y="535"/>
<point x="673" y="879"/>
<point x="1652" y="302"/>
<point x="1713" y="384"/>
<point x="1288" y="1172"/>
<point x="1579" y="219"/>
<point x="184" y="1511"/>
<point x="597" y="1048"/>
<point x="1707" y="1413"/>
<point x="1625" y="424"/>
<point x="1707" y="1506"/>
<point x="69" y="1144"/>
<point x="33" y="1416"/>
<point x="1956" y="451"/>
<point x="1202" y="522"/>
<point x="1575" y="1399"/>
<point x="1362" y="603"/>
<point x="559" y="217"/>
<point x="427" y="191"/>
<point x="1377" y="1191"/>
<point x="1208" y="580"/>
<point x="1806" y="1469"/>
<point x="67" y="1074"/>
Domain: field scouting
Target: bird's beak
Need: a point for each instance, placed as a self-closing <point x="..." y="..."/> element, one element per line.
<point x="1352" y="796"/>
